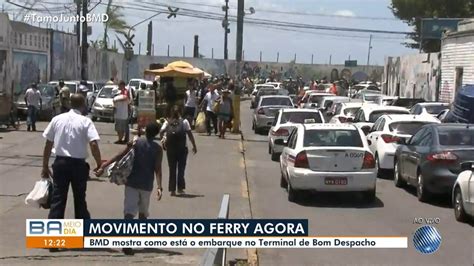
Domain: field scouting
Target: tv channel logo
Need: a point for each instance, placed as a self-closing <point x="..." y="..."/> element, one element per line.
<point x="427" y="239"/>
<point x="54" y="227"/>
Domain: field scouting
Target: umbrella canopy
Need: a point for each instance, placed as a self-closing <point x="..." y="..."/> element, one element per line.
<point x="177" y="69"/>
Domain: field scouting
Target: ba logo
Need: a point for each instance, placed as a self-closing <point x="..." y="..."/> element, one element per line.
<point x="54" y="227"/>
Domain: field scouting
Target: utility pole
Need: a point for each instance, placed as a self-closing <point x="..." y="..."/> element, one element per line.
<point x="238" y="57"/>
<point x="84" y="45"/>
<point x="78" y="23"/>
<point x="370" y="48"/>
<point x="196" y="46"/>
<point x="278" y="56"/>
<point x="149" y="39"/>
<point x="225" y="25"/>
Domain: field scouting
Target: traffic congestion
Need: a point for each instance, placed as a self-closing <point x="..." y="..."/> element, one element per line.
<point x="327" y="138"/>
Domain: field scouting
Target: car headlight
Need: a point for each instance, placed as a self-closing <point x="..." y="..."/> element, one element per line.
<point x="98" y="105"/>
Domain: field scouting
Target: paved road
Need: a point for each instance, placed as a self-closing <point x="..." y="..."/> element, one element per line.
<point x="215" y="170"/>
<point x="345" y="215"/>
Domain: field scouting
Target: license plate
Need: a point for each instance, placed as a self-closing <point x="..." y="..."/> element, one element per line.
<point x="336" y="181"/>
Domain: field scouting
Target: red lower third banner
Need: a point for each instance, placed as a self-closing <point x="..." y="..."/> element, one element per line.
<point x="54" y="242"/>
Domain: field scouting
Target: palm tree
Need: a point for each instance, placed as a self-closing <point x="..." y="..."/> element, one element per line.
<point x="116" y="22"/>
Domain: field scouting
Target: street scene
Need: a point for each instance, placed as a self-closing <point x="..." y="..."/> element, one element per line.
<point x="363" y="129"/>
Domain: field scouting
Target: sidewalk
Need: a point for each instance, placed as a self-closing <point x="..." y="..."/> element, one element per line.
<point x="216" y="169"/>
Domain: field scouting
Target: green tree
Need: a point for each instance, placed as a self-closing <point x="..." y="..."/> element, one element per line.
<point x="411" y="12"/>
<point x="116" y="22"/>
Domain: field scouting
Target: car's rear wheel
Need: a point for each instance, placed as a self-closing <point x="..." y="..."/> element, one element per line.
<point x="283" y="183"/>
<point x="421" y="192"/>
<point x="275" y="156"/>
<point x="292" y="193"/>
<point x="269" y="149"/>
<point x="397" y="176"/>
<point x="459" y="211"/>
<point x="369" y="195"/>
<point x="94" y="118"/>
<point x="377" y="163"/>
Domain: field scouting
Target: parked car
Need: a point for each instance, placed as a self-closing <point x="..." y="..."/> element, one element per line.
<point x="284" y="123"/>
<point x="345" y="112"/>
<point x="384" y="99"/>
<point x="428" y="108"/>
<point x="72" y="85"/>
<point x="261" y="89"/>
<point x="463" y="194"/>
<point x="431" y="160"/>
<point x="368" y="114"/>
<point x="103" y="107"/>
<point x="407" y="102"/>
<point x="50" y="102"/>
<point x="387" y="131"/>
<point x="269" y="91"/>
<point x="329" y="158"/>
<point x="312" y="99"/>
<point x="267" y="109"/>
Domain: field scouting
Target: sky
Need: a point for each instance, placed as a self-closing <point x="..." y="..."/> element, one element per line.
<point x="320" y="45"/>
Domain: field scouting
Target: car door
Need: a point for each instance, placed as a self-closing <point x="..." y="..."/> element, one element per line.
<point x="284" y="153"/>
<point x="403" y="164"/>
<point x="413" y="156"/>
<point x="374" y="134"/>
<point x="421" y="151"/>
<point x="470" y="194"/>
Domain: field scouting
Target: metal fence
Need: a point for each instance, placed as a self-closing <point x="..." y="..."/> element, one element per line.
<point x="217" y="256"/>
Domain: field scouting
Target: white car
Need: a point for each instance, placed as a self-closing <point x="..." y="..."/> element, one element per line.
<point x="327" y="101"/>
<point x="312" y="99"/>
<point x="368" y="114"/>
<point x="429" y="108"/>
<point x="344" y="112"/>
<point x="387" y="131"/>
<point x="463" y="194"/>
<point x="385" y="100"/>
<point x="277" y="85"/>
<point x="284" y="123"/>
<point x="267" y="109"/>
<point x="329" y="158"/>
<point x="103" y="106"/>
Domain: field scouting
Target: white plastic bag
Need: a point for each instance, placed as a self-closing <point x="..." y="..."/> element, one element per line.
<point x="39" y="194"/>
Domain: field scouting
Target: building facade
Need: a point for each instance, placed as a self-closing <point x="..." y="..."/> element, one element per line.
<point x="457" y="60"/>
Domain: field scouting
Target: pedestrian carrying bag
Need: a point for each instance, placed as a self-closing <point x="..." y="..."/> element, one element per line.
<point x="175" y="135"/>
<point x="119" y="171"/>
<point x="216" y="107"/>
<point x="41" y="194"/>
<point x="200" y="126"/>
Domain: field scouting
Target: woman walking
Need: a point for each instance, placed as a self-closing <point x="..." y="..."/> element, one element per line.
<point x="225" y="112"/>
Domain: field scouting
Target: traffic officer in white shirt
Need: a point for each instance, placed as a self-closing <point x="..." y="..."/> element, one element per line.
<point x="70" y="134"/>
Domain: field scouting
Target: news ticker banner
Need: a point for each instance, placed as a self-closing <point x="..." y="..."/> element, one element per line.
<point x="191" y="233"/>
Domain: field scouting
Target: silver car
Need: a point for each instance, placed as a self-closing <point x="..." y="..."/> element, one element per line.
<point x="267" y="109"/>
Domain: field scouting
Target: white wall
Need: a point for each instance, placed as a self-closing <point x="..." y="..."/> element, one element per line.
<point x="456" y="51"/>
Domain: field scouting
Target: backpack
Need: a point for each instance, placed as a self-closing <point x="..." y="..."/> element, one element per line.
<point x="119" y="171"/>
<point x="175" y="136"/>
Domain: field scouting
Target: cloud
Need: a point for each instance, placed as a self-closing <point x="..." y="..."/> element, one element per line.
<point x="345" y="13"/>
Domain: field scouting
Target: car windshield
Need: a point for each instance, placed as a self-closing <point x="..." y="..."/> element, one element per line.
<point x="265" y="91"/>
<point x="134" y="83"/>
<point x="300" y="117"/>
<point x="328" y="138"/>
<point x="407" y="102"/>
<point x="276" y="101"/>
<point x="376" y="114"/>
<point x="435" y="109"/>
<point x="90" y="87"/>
<point x="408" y="128"/>
<point x="105" y="93"/>
<point x="456" y="137"/>
<point x="48" y="91"/>
<point x="351" y="111"/>
<point x="316" y="99"/>
<point x="371" y="98"/>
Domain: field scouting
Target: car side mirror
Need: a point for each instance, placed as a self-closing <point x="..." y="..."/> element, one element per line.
<point x="467" y="166"/>
<point x="314" y="105"/>
<point x="295" y="105"/>
<point x="281" y="142"/>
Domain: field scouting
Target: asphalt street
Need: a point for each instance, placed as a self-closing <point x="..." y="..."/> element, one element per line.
<point x="392" y="214"/>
